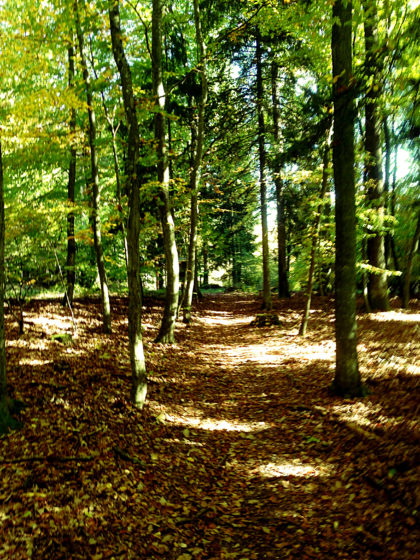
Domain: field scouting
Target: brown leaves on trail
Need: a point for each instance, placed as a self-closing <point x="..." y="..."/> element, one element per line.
<point x="240" y="453"/>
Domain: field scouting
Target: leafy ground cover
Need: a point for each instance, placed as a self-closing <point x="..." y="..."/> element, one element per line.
<point x="241" y="452"/>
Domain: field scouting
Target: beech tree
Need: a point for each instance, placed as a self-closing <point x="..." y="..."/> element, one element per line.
<point x="167" y="328"/>
<point x="377" y="282"/>
<point x="137" y="360"/>
<point x="71" y="184"/>
<point x="347" y="376"/>
<point x="283" y="281"/>
<point x="267" y="300"/>
<point x="195" y="174"/>
<point x="94" y="179"/>
<point x="6" y="420"/>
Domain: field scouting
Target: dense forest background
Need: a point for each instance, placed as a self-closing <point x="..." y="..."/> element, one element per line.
<point x="266" y="71"/>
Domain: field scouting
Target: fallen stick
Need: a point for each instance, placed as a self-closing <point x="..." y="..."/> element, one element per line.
<point x="124" y="455"/>
<point x="48" y="458"/>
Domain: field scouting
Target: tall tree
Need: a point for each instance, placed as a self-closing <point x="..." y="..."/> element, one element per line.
<point x="71" y="184"/>
<point x="377" y="282"/>
<point x="413" y="249"/>
<point x="5" y="418"/>
<point x="283" y="281"/>
<point x="7" y="405"/>
<point x="167" y="327"/>
<point x="137" y="361"/>
<point x="267" y="301"/>
<point x="94" y="179"/>
<point x="197" y="147"/>
<point x="314" y="240"/>
<point x="347" y="376"/>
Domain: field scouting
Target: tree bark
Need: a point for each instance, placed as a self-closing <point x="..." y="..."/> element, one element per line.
<point x="94" y="180"/>
<point x="414" y="244"/>
<point x="6" y="420"/>
<point x="196" y="169"/>
<point x="347" y="377"/>
<point x="167" y="327"/>
<point x="71" y="241"/>
<point x="267" y="301"/>
<point x="283" y="282"/>
<point x="377" y="282"/>
<point x="137" y="361"/>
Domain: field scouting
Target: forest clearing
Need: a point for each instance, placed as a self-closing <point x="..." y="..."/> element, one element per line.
<point x="240" y="452"/>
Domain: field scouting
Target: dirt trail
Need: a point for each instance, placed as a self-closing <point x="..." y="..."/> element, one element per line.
<point x="240" y="452"/>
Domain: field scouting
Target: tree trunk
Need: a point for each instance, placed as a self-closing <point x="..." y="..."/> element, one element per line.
<point x="196" y="169"/>
<point x="137" y="361"/>
<point x="267" y="301"/>
<point x="6" y="419"/>
<point x="283" y="286"/>
<point x="377" y="283"/>
<point x="118" y="194"/>
<point x="71" y="241"/>
<point x="314" y="241"/>
<point x="94" y="183"/>
<point x="414" y="244"/>
<point x="167" y="327"/>
<point x="391" y="257"/>
<point x="347" y="376"/>
<point x="206" y="274"/>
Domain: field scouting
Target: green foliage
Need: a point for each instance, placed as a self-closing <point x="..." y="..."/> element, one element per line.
<point x="36" y="103"/>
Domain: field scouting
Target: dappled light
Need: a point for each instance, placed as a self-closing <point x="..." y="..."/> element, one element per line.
<point x="240" y="442"/>
<point x="393" y="316"/>
<point x="281" y="468"/>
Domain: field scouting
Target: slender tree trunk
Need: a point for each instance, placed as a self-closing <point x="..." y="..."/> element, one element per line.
<point x="196" y="169"/>
<point x="391" y="257"/>
<point x="6" y="404"/>
<point x="205" y="265"/>
<point x="347" y="376"/>
<point x="377" y="283"/>
<point x="314" y="241"/>
<point x="96" y="221"/>
<point x="414" y="245"/>
<point x="118" y="194"/>
<point x="137" y="361"/>
<point x="283" y="287"/>
<point x="167" y="327"/>
<point x="71" y="241"/>
<point x="388" y="151"/>
<point x="5" y="419"/>
<point x="267" y="301"/>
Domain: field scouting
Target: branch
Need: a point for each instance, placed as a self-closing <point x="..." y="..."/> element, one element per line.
<point x="47" y="458"/>
<point x="124" y="455"/>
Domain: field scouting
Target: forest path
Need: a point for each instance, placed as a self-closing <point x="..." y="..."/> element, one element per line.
<point x="283" y="456"/>
<point x="240" y="452"/>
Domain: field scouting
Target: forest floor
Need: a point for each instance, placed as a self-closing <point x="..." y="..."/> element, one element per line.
<point x="240" y="453"/>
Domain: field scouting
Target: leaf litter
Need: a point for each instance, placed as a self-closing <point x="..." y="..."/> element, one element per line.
<point x="240" y="453"/>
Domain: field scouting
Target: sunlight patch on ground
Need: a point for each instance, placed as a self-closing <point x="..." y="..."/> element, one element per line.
<point x="33" y="362"/>
<point x="52" y="325"/>
<point x="283" y="468"/>
<point x="31" y="344"/>
<point x="168" y="415"/>
<point x="217" y="318"/>
<point x="358" y="413"/>
<point x="405" y="316"/>
<point x="268" y="353"/>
